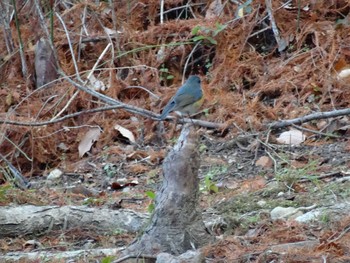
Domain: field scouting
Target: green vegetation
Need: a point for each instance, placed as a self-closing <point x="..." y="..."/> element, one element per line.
<point x="108" y="259"/>
<point x="207" y="34"/>
<point x="290" y="175"/>
<point x="208" y="184"/>
<point x="165" y="74"/>
<point x="152" y="196"/>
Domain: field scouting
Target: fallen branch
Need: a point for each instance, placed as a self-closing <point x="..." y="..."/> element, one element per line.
<point x="43" y="123"/>
<point x="44" y="256"/>
<point x="310" y="117"/>
<point x="115" y="104"/>
<point x="39" y="220"/>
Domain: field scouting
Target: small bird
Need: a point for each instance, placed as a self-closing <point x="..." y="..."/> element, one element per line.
<point x="187" y="100"/>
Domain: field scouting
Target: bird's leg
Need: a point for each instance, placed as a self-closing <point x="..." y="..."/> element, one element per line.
<point x="189" y="116"/>
<point x="176" y="121"/>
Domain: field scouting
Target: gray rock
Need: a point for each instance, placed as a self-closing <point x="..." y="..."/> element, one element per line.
<point x="309" y="216"/>
<point x="284" y="212"/>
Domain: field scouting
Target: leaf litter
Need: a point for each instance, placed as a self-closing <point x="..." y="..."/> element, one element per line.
<point x="246" y="83"/>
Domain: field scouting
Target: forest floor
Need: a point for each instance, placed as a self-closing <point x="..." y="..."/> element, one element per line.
<point x="246" y="173"/>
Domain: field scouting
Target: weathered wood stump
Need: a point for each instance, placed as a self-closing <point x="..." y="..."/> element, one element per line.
<point x="176" y="225"/>
<point x="45" y="63"/>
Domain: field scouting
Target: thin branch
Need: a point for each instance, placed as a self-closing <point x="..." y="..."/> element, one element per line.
<point x="310" y="117"/>
<point x="43" y="123"/>
<point x="18" y="178"/>
<point x="346" y="230"/>
<point x="18" y="148"/>
<point x="145" y="89"/>
<point x="112" y="101"/>
<point x="42" y="21"/>
<point x="161" y="11"/>
<point x="82" y="29"/>
<point x="188" y="59"/>
<point x="181" y="7"/>
<point x="5" y="21"/>
<point x="315" y="132"/>
<point x="280" y="42"/>
<point x="70" y="46"/>
<point x="88" y="78"/>
<point x="21" y="46"/>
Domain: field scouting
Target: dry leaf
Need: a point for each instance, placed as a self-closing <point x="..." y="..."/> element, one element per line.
<point x="214" y="10"/>
<point x="125" y="132"/>
<point x="9" y="99"/>
<point x="292" y="137"/>
<point x="88" y="140"/>
<point x="264" y="162"/>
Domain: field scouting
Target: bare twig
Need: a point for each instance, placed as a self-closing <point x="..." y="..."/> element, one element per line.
<point x="142" y="112"/>
<point x="322" y="176"/>
<point x="280" y="42"/>
<point x="21" y="46"/>
<point x="161" y="11"/>
<point x="5" y="21"/>
<point x="70" y="46"/>
<point x="346" y="230"/>
<point x="182" y="7"/>
<point x="88" y="78"/>
<point x="18" y="178"/>
<point x="18" y="148"/>
<point x="43" y="24"/>
<point x="188" y="59"/>
<point x="83" y="28"/>
<point x="143" y="88"/>
<point x="310" y="117"/>
<point x="113" y="5"/>
<point x="43" y="123"/>
<point x="316" y="132"/>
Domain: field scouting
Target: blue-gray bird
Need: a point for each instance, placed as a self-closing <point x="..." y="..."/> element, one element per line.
<point x="187" y="100"/>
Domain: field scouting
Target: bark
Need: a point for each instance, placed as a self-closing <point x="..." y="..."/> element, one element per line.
<point x="36" y="220"/>
<point x="176" y="224"/>
<point x="68" y="256"/>
<point x="45" y="63"/>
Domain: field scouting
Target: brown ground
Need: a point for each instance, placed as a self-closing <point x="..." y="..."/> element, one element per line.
<point x="247" y="83"/>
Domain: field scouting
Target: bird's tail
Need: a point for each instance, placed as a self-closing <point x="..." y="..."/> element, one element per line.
<point x="167" y="109"/>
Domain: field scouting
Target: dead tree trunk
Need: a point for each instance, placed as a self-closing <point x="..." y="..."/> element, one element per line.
<point x="176" y="224"/>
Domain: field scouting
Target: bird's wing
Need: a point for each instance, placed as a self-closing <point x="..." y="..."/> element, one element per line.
<point x="184" y="99"/>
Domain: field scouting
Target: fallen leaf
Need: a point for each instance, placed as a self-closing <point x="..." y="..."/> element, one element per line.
<point x="88" y="140"/>
<point x="264" y="162"/>
<point x="125" y="132"/>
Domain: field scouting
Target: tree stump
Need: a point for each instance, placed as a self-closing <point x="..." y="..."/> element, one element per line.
<point x="176" y="225"/>
<point x="45" y="63"/>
